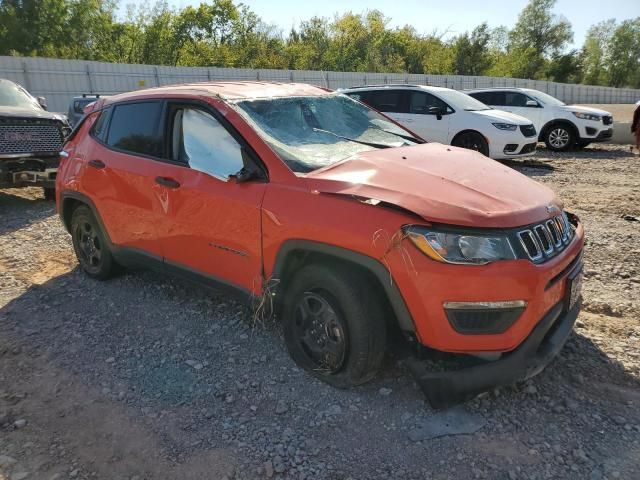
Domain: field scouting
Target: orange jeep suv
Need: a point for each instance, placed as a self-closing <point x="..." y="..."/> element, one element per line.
<point x="349" y="225"/>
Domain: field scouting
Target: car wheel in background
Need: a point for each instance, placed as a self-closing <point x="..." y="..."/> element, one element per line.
<point x="333" y="325"/>
<point x="471" y="141"/>
<point x="90" y="244"/>
<point x="49" y="193"/>
<point x="559" y="138"/>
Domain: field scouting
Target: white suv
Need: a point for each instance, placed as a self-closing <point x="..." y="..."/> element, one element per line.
<point x="447" y="116"/>
<point x="561" y="126"/>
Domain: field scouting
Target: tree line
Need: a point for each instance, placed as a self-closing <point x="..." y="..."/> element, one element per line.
<point x="224" y="33"/>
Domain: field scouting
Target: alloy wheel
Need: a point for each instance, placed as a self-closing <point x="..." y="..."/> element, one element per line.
<point x="559" y="137"/>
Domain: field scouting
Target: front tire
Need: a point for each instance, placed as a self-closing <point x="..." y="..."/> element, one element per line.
<point x="334" y="327"/>
<point x="472" y="141"/>
<point x="559" y="138"/>
<point x="90" y="245"/>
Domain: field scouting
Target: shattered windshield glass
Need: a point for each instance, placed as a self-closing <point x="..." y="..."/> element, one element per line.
<point x="312" y="132"/>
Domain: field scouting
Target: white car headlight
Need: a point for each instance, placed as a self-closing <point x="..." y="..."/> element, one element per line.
<point x="505" y="126"/>
<point x="587" y="116"/>
<point x="460" y="248"/>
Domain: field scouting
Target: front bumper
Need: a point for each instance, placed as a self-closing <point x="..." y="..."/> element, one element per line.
<point x="444" y="389"/>
<point x="511" y="145"/>
<point x="29" y="172"/>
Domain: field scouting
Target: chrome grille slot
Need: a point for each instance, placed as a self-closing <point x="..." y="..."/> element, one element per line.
<point x="27" y="138"/>
<point x="546" y="239"/>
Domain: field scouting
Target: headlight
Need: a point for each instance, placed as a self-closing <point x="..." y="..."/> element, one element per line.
<point x="460" y="248"/>
<point x="505" y="126"/>
<point x="587" y="116"/>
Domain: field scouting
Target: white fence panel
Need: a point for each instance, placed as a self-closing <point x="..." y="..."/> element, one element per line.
<point x="60" y="80"/>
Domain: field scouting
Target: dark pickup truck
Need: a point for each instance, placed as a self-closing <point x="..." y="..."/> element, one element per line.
<point x="30" y="140"/>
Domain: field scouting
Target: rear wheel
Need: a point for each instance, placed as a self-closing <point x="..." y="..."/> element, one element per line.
<point x="90" y="244"/>
<point x="333" y="325"/>
<point x="472" y="141"/>
<point x="559" y="138"/>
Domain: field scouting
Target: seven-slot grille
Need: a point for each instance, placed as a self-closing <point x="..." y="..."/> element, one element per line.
<point x="528" y="130"/>
<point x="28" y="136"/>
<point x="546" y="239"/>
<point x="607" y="119"/>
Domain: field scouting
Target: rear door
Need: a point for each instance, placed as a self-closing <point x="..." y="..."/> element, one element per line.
<point x="211" y="224"/>
<point x="119" y="173"/>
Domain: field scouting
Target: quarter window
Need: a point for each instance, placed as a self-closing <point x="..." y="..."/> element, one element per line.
<point x="490" y="98"/>
<point x="205" y="145"/>
<point x="515" y="99"/>
<point x="135" y="128"/>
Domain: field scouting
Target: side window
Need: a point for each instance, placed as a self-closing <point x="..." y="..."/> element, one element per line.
<point x="421" y="102"/>
<point x="99" y="128"/>
<point x="515" y="99"/>
<point x="134" y="128"/>
<point x="387" y="100"/>
<point x="204" y="144"/>
<point x="490" y="98"/>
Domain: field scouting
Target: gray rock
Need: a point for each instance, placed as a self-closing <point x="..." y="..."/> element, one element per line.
<point x="385" y="392"/>
<point x="281" y="408"/>
<point x="334" y="410"/>
<point x="456" y="421"/>
<point x="20" y="423"/>
<point x="6" y="461"/>
<point x="531" y="389"/>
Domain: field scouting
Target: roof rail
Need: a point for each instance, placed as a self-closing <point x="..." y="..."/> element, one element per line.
<point x="85" y="95"/>
<point x="390" y="85"/>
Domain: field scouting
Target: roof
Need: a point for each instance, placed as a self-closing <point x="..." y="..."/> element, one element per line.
<point x="229" y="90"/>
<point x="396" y="86"/>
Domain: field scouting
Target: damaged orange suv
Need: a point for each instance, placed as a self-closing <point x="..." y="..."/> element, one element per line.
<point x="348" y="224"/>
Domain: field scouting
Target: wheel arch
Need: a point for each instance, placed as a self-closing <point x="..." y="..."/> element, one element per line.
<point x="469" y="130"/>
<point x="294" y="254"/>
<point x="558" y="121"/>
<point x="69" y="201"/>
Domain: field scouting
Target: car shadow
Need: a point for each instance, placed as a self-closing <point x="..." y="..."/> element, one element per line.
<point x="592" y="152"/>
<point x="22" y="207"/>
<point x="529" y="167"/>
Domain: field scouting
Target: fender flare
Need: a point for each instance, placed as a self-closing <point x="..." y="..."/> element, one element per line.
<point x="370" y="264"/>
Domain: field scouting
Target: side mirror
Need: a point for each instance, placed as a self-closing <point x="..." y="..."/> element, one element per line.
<point x="43" y="102"/>
<point x="437" y="111"/>
<point x="250" y="170"/>
<point x="532" y="103"/>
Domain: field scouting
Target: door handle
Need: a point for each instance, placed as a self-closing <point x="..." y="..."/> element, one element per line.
<point x="99" y="164"/>
<point x="167" y="182"/>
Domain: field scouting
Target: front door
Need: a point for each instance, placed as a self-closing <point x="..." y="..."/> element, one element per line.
<point x="212" y="224"/>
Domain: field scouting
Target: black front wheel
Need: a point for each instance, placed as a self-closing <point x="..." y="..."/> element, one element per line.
<point x="472" y="141"/>
<point x="559" y="138"/>
<point x="90" y="244"/>
<point x="49" y="193"/>
<point x="334" y="326"/>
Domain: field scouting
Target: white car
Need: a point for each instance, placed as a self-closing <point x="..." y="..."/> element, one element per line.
<point x="561" y="126"/>
<point x="447" y="116"/>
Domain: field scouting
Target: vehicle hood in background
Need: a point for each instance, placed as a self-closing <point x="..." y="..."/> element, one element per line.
<point x="442" y="184"/>
<point x="20" y="112"/>
<point x="495" y="115"/>
<point x="577" y="108"/>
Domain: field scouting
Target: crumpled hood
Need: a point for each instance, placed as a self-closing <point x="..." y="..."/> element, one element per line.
<point x="578" y="108"/>
<point x="20" y="112"/>
<point x="496" y="115"/>
<point x="442" y="184"/>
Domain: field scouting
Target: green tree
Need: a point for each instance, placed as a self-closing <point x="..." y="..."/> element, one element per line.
<point x="595" y="52"/>
<point x="471" y="51"/>
<point x="623" y="62"/>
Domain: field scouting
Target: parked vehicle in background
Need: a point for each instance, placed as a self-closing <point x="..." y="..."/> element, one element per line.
<point x="344" y="222"/>
<point x="76" y="107"/>
<point x="30" y="139"/>
<point x="560" y="126"/>
<point x="447" y="116"/>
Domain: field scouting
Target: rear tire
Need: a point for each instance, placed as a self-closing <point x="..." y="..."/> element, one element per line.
<point x="334" y="327"/>
<point x="49" y="193"/>
<point x="472" y="141"/>
<point x="90" y="245"/>
<point x="559" y="138"/>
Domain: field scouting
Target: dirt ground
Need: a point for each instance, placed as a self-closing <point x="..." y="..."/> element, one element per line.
<point x="145" y="377"/>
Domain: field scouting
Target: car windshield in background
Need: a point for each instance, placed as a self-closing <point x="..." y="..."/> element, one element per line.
<point x="546" y="99"/>
<point x="312" y="132"/>
<point x="462" y="101"/>
<point x="11" y="95"/>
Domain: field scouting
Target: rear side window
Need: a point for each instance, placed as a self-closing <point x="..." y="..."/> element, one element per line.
<point x="490" y="98"/>
<point x="204" y="144"/>
<point x="134" y="128"/>
<point x="387" y="100"/>
<point x="99" y="128"/>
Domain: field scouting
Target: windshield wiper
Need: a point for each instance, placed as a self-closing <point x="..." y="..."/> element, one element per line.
<point x="406" y="137"/>
<point x="369" y="144"/>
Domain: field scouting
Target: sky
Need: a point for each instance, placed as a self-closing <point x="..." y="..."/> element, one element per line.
<point x="427" y="16"/>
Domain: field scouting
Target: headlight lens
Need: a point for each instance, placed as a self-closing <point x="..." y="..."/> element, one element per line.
<point x="587" y="116"/>
<point x="458" y="248"/>
<point x="505" y="126"/>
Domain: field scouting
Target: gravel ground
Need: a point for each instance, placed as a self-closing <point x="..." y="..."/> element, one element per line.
<point x="146" y="377"/>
